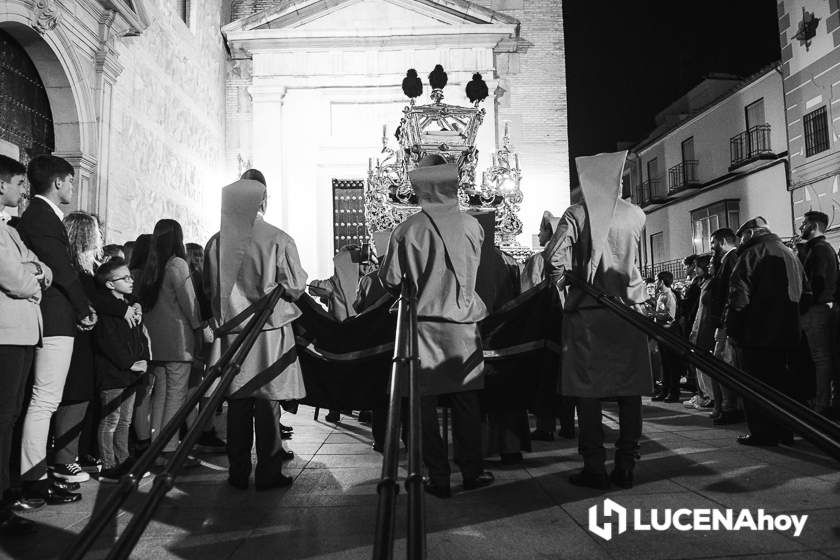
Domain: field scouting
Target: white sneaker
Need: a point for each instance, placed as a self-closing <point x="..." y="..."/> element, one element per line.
<point x="70" y="472"/>
<point x="692" y="401"/>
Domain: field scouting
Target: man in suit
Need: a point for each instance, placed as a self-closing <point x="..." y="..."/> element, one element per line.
<point x="598" y="240"/>
<point x="22" y="279"/>
<point x="64" y="307"/>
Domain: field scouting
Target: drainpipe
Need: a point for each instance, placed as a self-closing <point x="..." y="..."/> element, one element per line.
<point x="778" y="68"/>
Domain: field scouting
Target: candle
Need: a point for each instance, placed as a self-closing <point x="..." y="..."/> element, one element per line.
<point x="384" y="130"/>
<point x="506" y="128"/>
<point x="516" y="160"/>
<point x="370" y="164"/>
<point x="494" y="160"/>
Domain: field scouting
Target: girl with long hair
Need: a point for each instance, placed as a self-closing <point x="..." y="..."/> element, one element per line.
<point x="142" y="403"/>
<point x="171" y="317"/>
<point x="85" y="244"/>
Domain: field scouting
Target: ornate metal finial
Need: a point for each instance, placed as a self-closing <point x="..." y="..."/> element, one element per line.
<point x="46" y="15"/>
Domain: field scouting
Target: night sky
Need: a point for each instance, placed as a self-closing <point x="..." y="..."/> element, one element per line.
<point x="628" y="60"/>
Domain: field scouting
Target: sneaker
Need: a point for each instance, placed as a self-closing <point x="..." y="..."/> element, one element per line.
<point x="70" y="472"/>
<point x="90" y="464"/>
<point x="692" y="401"/>
<point x="704" y="404"/>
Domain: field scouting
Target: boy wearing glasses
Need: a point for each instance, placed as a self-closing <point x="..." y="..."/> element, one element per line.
<point x="121" y="357"/>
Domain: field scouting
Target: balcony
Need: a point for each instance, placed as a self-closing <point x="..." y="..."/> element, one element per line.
<point x="682" y="176"/>
<point x="750" y="145"/>
<point x="648" y="193"/>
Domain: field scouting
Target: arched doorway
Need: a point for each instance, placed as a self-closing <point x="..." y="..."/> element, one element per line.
<point x="26" y="122"/>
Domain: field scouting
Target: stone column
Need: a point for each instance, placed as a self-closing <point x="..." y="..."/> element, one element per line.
<point x="267" y="146"/>
<point x="108" y="70"/>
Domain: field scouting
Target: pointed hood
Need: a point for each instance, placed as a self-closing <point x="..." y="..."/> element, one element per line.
<point x="436" y="187"/>
<point x="600" y="183"/>
<point x="240" y="204"/>
<point x="550" y="221"/>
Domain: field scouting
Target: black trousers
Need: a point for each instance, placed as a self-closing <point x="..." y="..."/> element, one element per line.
<point x="68" y="423"/>
<point x="15" y="364"/>
<point x="245" y="417"/>
<point x="771" y="366"/>
<point x="466" y="435"/>
<point x="591" y="439"/>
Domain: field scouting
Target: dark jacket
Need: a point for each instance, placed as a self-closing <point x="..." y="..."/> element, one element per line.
<point x="116" y="347"/>
<point x="765" y="288"/>
<point x="719" y="289"/>
<point x="820" y="263"/>
<point x="81" y="378"/>
<point x="689" y="304"/>
<point x="64" y="303"/>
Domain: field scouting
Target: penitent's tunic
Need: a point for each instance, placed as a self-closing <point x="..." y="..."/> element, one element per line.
<point x="451" y="357"/>
<point x="271" y="370"/>
<point x="603" y="356"/>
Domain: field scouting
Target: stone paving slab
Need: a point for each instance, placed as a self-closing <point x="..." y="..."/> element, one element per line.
<point x="530" y="512"/>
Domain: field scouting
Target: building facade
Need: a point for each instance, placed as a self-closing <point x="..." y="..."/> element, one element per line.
<point x="159" y="103"/>
<point x="809" y="34"/>
<point x="135" y="94"/>
<point x="717" y="158"/>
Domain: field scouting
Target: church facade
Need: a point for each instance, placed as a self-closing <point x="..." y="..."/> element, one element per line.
<point x="159" y="103"/>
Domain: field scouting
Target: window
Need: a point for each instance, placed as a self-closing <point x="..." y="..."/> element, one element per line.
<point x="653" y="169"/>
<point x="657" y="248"/>
<point x="816" y="131"/>
<point x="754" y="114"/>
<point x="626" y="185"/>
<point x="704" y="221"/>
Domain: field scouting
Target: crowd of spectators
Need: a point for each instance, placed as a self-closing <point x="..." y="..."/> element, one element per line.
<point x="760" y="304"/>
<point x="79" y="326"/>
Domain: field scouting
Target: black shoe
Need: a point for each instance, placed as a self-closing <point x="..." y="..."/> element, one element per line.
<point x="542" y="435"/>
<point x="286" y="435"/>
<point x="209" y="442"/>
<point x="658" y="397"/>
<point x="377" y="448"/>
<point x="286" y="429"/>
<point x="672" y="398"/>
<point x="511" y="458"/>
<point x="484" y="478"/>
<point x="333" y="416"/>
<point x="753" y="441"/>
<point x="64" y="485"/>
<point x="279" y="481"/>
<point x="728" y="417"/>
<point x="16" y="526"/>
<point x="52" y="495"/>
<point x="27" y="504"/>
<point x="238" y="483"/>
<point x="623" y="478"/>
<point x="442" y="491"/>
<point x="286" y="455"/>
<point x="567" y="433"/>
<point x="587" y="479"/>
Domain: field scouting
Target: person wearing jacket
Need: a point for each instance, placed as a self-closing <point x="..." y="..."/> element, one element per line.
<point x="65" y="309"/>
<point x="762" y="318"/>
<point x="22" y="281"/>
<point x="171" y="315"/>
<point x="121" y="357"/>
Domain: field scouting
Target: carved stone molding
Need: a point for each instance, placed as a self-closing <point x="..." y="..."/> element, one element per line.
<point x="46" y="14"/>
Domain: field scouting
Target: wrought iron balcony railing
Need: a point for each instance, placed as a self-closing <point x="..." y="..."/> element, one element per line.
<point x="682" y="175"/>
<point x="749" y="145"/>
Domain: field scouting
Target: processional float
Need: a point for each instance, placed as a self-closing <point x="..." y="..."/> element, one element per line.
<point x="449" y="131"/>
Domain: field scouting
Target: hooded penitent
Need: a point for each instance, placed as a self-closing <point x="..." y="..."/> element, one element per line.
<point x="437" y="192"/>
<point x="241" y="202"/>
<point x="549" y="221"/>
<point x="600" y="184"/>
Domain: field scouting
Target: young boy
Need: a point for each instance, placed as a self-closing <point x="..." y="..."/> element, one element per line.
<point x="121" y="357"/>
